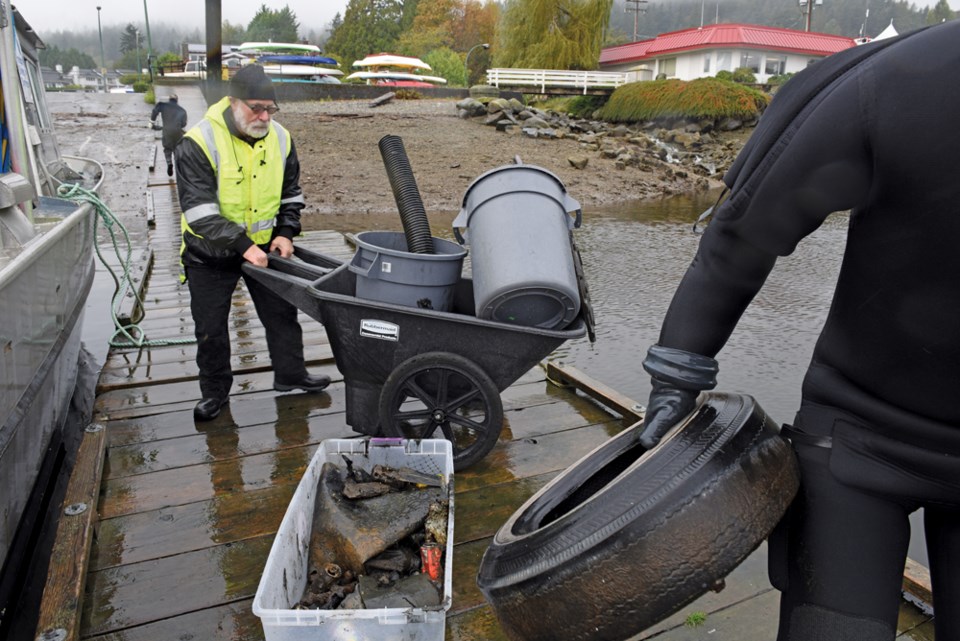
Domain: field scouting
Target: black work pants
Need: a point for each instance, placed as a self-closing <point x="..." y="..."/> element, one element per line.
<point x="838" y="555"/>
<point x="211" y="294"/>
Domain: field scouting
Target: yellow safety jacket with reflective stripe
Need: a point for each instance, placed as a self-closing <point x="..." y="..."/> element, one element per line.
<point x="249" y="177"/>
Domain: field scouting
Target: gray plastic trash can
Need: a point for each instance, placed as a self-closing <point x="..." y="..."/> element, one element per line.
<point x="388" y="273"/>
<point x="516" y="220"/>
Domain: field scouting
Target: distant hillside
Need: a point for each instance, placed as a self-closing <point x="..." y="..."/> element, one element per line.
<point x="840" y="17"/>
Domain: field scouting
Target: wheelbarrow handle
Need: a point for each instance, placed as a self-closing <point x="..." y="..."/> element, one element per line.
<point x="316" y="258"/>
<point x="290" y="280"/>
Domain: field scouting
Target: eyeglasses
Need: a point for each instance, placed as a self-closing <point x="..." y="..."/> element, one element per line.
<point x="259" y="109"/>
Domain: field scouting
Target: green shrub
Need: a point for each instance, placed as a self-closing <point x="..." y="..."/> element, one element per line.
<point x="129" y="78"/>
<point x="150" y="97"/>
<point x="779" y="80"/>
<point x="447" y="64"/>
<point x="723" y="74"/>
<point x="584" y="106"/>
<point x="407" y="94"/>
<point x="701" y="98"/>
<point x="141" y="86"/>
<point x="744" y="75"/>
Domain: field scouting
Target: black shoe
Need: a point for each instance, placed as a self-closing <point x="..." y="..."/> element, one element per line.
<point x="169" y="170"/>
<point x="209" y="408"/>
<point x="308" y="383"/>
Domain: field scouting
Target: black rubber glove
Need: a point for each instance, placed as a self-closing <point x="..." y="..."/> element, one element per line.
<point x="678" y="377"/>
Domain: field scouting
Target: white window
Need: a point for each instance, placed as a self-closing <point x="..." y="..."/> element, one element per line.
<point x="724" y="61"/>
<point x="750" y="60"/>
<point x="706" y="63"/>
<point x="668" y="67"/>
<point x="776" y="65"/>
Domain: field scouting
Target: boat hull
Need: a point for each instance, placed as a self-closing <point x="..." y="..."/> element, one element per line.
<point x="44" y="290"/>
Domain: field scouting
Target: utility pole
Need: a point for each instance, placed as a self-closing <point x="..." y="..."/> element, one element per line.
<point x="638" y="7"/>
<point x="809" y="10"/>
<point x="146" y="19"/>
<point x="139" y="68"/>
<point x="103" y="65"/>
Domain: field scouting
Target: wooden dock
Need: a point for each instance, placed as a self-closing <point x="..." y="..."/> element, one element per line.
<point x="169" y="522"/>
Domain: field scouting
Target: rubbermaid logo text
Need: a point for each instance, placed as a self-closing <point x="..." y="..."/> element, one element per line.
<point x="379" y="329"/>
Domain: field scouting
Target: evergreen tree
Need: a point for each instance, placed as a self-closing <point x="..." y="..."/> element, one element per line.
<point x="369" y="26"/>
<point x="273" y="26"/>
<point x="53" y="56"/>
<point x="233" y="33"/>
<point x="940" y="13"/>
<point x="552" y="34"/>
<point x="128" y="39"/>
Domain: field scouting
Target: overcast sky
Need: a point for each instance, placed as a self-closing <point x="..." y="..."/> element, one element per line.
<point x="58" y="15"/>
<point x="55" y="15"/>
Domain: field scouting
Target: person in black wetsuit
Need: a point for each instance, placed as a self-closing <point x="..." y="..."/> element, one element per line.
<point x="877" y="435"/>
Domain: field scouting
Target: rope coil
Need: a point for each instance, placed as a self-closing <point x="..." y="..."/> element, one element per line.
<point x="132" y="334"/>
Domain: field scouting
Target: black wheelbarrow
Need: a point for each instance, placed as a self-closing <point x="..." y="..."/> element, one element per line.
<point x="409" y="371"/>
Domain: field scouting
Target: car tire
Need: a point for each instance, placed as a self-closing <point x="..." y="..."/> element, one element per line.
<point x="624" y="538"/>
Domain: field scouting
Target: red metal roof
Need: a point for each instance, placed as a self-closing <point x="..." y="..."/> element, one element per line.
<point x="728" y="35"/>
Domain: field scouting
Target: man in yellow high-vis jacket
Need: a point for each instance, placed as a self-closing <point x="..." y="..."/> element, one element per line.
<point x="238" y="178"/>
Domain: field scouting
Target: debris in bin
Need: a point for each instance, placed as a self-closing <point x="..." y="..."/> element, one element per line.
<point x="430" y="560"/>
<point x="416" y="590"/>
<point x="436" y="523"/>
<point x="370" y="528"/>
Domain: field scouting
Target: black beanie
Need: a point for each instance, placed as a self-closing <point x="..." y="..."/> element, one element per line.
<point x="251" y="83"/>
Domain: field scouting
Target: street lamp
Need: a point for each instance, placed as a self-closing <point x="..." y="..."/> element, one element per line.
<point x="466" y="62"/>
<point x="103" y="65"/>
<point x="137" y="36"/>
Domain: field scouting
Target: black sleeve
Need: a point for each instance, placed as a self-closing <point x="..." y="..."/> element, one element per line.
<point x="821" y="164"/>
<point x="291" y="197"/>
<point x="156" y="111"/>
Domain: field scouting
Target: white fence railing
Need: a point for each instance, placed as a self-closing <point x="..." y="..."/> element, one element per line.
<point x="549" y="78"/>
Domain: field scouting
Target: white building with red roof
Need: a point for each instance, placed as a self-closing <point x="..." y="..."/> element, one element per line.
<point x="703" y="51"/>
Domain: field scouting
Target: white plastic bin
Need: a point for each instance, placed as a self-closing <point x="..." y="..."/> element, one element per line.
<point x="285" y="574"/>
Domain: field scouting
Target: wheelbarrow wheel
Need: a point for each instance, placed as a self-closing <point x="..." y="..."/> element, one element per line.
<point x="445" y="391"/>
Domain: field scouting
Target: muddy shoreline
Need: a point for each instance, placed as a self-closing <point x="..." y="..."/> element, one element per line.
<point x="342" y="170"/>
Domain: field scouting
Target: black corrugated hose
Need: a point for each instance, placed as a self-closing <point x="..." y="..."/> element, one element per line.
<point x="416" y="227"/>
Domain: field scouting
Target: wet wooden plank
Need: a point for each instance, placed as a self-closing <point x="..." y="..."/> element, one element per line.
<point x="155" y="399"/>
<point x="246" y="409"/>
<point x="916" y="582"/>
<point x="239" y="472"/>
<point x="150" y="591"/>
<point x="749" y="619"/>
<point x="214" y="442"/>
<point x="188" y="528"/>
<point x="488" y="507"/>
<point x="234" y="621"/>
<point x="629" y="409"/>
<point x="60" y="607"/>
<point x="151" y="373"/>
<point x="478" y="624"/>
<point x="180" y="486"/>
<point x="538" y="455"/>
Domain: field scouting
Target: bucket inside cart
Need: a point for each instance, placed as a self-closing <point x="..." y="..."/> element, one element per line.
<point x="517" y="221"/>
<point x="388" y="273"/>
